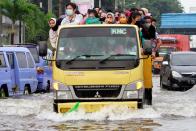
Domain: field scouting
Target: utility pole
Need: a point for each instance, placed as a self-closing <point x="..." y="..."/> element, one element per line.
<point x="60" y="7"/>
<point x="49" y="5"/>
<point x="1" y="28"/>
<point x="99" y="3"/>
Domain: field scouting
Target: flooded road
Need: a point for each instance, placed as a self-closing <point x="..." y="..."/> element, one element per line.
<point x="171" y="111"/>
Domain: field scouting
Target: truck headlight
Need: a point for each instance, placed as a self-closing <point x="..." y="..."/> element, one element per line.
<point x="60" y="86"/>
<point x="134" y="86"/>
<point x="133" y="90"/>
<point x="63" y="95"/>
<point x="131" y="94"/>
<point x="61" y="91"/>
<point x="176" y="74"/>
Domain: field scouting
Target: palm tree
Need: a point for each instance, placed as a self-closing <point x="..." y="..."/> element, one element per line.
<point x="16" y="10"/>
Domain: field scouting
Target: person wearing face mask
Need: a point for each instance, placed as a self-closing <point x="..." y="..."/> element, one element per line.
<point x="92" y="17"/>
<point x="148" y="30"/>
<point x="110" y="19"/>
<point x="71" y="16"/>
<point x="103" y="17"/>
<point x="122" y="19"/>
<point x="135" y="18"/>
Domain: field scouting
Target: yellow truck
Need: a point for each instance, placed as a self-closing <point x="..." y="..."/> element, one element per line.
<point x="99" y="65"/>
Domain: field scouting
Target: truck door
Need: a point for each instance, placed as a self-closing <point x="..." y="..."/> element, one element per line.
<point x="10" y="57"/>
<point x="5" y="75"/>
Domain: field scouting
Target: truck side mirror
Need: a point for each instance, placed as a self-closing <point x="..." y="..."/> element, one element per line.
<point x="43" y="49"/>
<point x="165" y="63"/>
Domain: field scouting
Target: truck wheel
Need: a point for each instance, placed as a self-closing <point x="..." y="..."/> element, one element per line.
<point x="140" y="104"/>
<point x="26" y="90"/>
<point x="2" y="93"/>
<point x="55" y="107"/>
<point x="148" y="96"/>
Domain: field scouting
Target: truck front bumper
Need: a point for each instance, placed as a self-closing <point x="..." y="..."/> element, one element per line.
<point x="89" y="106"/>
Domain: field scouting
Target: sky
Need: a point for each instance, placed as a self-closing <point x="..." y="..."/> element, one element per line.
<point x="187" y="4"/>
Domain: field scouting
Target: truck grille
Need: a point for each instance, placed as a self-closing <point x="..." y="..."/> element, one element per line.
<point x="97" y="91"/>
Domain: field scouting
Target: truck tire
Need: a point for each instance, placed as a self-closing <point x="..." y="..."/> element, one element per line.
<point x="148" y="96"/>
<point x="140" y="104"/>
<point x="55" y="107"/>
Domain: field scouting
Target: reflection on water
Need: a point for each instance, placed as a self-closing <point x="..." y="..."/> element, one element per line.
<point x="131" y="125"/>
<point x="171" y="111"/>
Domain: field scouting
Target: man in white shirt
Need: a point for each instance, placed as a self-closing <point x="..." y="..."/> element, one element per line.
<point x="71" y="16"/>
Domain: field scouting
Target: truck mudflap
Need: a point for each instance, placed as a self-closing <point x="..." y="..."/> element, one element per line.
<point x="90" y="106"/>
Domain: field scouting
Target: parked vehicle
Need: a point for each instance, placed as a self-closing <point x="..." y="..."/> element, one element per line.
<point x="178" y="71"/>
<point x="44" y="68"/>
<point x="170" y="43"/>
<point x="17" y="71"/>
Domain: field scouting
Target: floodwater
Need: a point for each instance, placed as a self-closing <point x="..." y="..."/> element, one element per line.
<point x="171" y="111"/>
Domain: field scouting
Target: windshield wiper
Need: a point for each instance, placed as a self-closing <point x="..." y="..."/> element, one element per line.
<point x="109" y="57"/>
<point x="185" y="65"/>
<point x="75" y="58"/>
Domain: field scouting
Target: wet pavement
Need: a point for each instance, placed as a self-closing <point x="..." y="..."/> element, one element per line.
<point x="171" y="111"/>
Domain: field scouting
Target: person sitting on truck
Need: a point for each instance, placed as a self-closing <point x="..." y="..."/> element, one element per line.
<point x="102" y="17"/>
<point x="122" y="19"/>
<point x="92" y="19"/>
<point x="71" y="16"/>
<point x="135" y="18"/>
<point x="53" y="32"/>
<point x="110" y="19"/>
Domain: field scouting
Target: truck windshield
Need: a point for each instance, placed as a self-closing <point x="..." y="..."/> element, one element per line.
<point x="87" y="47"/>
<point x="183" y="60"/>
<point x="102" y="41"/>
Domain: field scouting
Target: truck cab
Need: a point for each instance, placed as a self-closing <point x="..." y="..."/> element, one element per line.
<point x="96" y="66"/>
<point x="18" y="71"/>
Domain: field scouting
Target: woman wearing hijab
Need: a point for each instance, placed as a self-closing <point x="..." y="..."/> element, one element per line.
<point x="53" y="32"/>
<point x="110" y="18"/>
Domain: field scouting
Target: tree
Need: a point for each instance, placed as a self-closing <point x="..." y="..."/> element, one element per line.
<point x="16" y="10"/>
<point x="30" y="14"/>
<point x="156" y="7"/>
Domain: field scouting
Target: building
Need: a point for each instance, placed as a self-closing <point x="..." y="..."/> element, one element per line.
<point x="5" y="31"/>
<point x="192" y="10"/>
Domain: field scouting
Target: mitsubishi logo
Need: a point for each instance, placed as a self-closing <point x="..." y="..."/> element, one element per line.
<point x="97" y="95"/>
